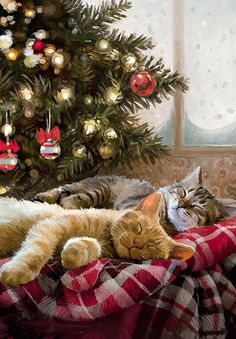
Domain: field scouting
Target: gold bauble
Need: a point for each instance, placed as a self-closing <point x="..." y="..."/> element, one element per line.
<point x="28" y="112"/>
<point x="28" y="162"/>
<point x="58" y="60"/>
<point x="91" y="126"/>
<point x="50" y="49"/>
<point x="30" y="13"/>
<point x="11" y="54"/>
<point x="88" y="100"/>
<point x="110" y="133"/>
<point x="112" y="95"/>
<point x="65" y="92"/>
<point x="114" y="54"/>
<point x="34" y="173"/>
<point x="57" y="70"/>
<point x="26" y="93"/>
<point x="19" y="35"/>
<point x="3" y="189"/>
<point x="79" y="150"/>
<point x="103" y="45"/>
<point x="106" y="150"/>
<point x="32" y="60"/>
<point x="130" y="62"/>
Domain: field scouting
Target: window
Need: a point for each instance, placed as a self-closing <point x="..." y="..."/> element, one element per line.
<point x="198" y="39"/>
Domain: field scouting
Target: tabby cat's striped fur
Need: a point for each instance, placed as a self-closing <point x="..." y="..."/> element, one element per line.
<point x="187" y="202"/>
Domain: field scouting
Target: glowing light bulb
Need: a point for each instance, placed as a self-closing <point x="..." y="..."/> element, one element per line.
<point x="30" y="13"/>
<point x="58" y="60"/>
<point x="11" y="54"/>
<point x="26" y="94"/>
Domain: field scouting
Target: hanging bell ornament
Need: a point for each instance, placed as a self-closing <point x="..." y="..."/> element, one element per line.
<point x="106" y="150"/>
<point x="130" y="62"/>
<point x="8" y="130"/>
<point x="78" y="150"/>
<point x="103" y="45"/>
<point x="113" y="96"/>
<point x="143" y="83"/>
<point x="110" y="133"/>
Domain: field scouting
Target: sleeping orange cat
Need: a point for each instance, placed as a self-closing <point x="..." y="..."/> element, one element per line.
<point x="35" y="232"/>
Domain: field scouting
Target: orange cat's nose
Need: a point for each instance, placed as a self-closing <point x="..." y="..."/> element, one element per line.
<point x="138" y="243"/>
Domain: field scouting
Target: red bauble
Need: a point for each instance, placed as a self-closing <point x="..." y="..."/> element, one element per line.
<point x="143" y="83"/>
<point x="50" y="150"/>
<point x="8" y="161"/>
<point x="38" y="45"/>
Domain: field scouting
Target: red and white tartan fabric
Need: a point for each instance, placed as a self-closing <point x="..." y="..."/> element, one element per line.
<point x="152" y="299"/>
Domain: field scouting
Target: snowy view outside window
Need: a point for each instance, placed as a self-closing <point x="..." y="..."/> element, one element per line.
<point x="206" y="46"/>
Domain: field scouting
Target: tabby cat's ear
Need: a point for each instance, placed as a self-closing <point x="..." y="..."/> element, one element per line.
<point x="151" y="204"/>
<point x="228" y="207"/>
<point x="181" y="251"/>
<point x="194" y="179"/>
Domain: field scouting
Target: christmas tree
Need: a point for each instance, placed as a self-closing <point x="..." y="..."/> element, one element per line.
<point x="70" y="90"/>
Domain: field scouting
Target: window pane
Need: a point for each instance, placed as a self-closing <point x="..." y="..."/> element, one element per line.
<point x="210" y="63"/>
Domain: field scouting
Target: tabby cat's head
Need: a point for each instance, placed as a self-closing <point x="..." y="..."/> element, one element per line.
<point x="138" y="234"/>
<point x="189" y="204"/>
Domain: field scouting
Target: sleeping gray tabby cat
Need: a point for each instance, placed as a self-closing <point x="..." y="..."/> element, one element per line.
<point x="186" y="203"/>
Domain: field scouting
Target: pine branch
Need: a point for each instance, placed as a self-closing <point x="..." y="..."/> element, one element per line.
<point x="6" y="80"/>
<point x="72" y="6"/>
<point x="101" y="16"/>
<point x="131" y="43"/>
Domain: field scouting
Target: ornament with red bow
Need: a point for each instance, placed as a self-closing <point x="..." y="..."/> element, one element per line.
<point x="143" y="83"/>
<point x="8" y="158"/>
<point x="50" y="148"/>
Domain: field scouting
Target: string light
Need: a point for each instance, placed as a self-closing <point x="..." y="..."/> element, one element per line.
<point x="11" y="54"/>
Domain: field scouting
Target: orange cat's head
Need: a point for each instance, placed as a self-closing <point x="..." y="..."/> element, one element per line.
<point x="138" y="234"/>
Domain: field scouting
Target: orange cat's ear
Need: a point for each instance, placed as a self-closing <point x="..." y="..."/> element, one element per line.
<point x="151" y="204"/>
<point x="181" y="251"/>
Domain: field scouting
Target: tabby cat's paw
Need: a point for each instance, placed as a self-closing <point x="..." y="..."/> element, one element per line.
<point x="16" y="273"/>
<point x="50" y="196"/>
<point x="78" y="252"/>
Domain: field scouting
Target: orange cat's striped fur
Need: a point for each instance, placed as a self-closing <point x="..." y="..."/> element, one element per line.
<point x="36" y="232"/>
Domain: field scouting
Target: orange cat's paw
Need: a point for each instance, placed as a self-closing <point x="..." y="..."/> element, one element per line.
<point x="16" y="273"/>
<point x="78" y="252"/>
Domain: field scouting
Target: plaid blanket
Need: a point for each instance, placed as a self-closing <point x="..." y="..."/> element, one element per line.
<point x="152" y="299"/>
